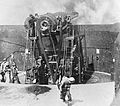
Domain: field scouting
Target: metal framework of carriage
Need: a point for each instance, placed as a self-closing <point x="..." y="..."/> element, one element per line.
<point x="59" y="42"/>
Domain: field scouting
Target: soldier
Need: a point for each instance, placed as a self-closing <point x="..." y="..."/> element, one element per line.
<point x="7" y="73"/>
<point x="15" y="74"/>
<point x="37" y="15"/>
<point x="60" y="73"/>
<point x="65" y="88"/>
<point x="38" y="75"/>
<point x="2" y="69"/>
<point x="29" y="24"/>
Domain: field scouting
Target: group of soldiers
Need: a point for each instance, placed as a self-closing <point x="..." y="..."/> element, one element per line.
<point x="37" y="74"/>
<point x="9" y="72"/>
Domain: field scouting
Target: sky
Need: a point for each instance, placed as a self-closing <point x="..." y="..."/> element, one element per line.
<point x="14" y="12"/>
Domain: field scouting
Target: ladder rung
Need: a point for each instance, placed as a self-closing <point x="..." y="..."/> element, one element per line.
<point x="70" y="38"/>
<point x="53" y="62"/>
<point x="32" y="38"/>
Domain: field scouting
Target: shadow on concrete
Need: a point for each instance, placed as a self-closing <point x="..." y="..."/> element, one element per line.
<point x="37" y="89"/>
<point x="2" y="87"/>
<point x="73" y="102"/>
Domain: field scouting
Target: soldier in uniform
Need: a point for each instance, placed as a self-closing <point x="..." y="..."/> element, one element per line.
<point x="29" y="25"/>
<point x="8" y="73"/>
<point x="2" y="69"/>
<point x="65" y="88"/>
<point x="15" y="74"/>
<point x="39" y="76"/>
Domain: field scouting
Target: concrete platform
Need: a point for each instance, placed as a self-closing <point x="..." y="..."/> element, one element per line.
<point x="100" y="94"/>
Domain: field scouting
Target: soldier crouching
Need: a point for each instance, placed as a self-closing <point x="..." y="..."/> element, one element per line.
<point x="65" y="88"/>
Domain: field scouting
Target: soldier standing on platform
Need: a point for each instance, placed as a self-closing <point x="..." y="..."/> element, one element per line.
<point x="65" y="88"/>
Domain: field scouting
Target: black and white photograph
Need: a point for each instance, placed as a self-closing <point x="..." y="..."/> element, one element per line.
<point x="59" y="52"/>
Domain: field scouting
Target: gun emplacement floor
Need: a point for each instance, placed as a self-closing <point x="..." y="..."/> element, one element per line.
<point x="100" y="94"/>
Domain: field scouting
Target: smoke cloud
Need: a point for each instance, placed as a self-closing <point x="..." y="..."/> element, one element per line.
<point x="90" y="11"/>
